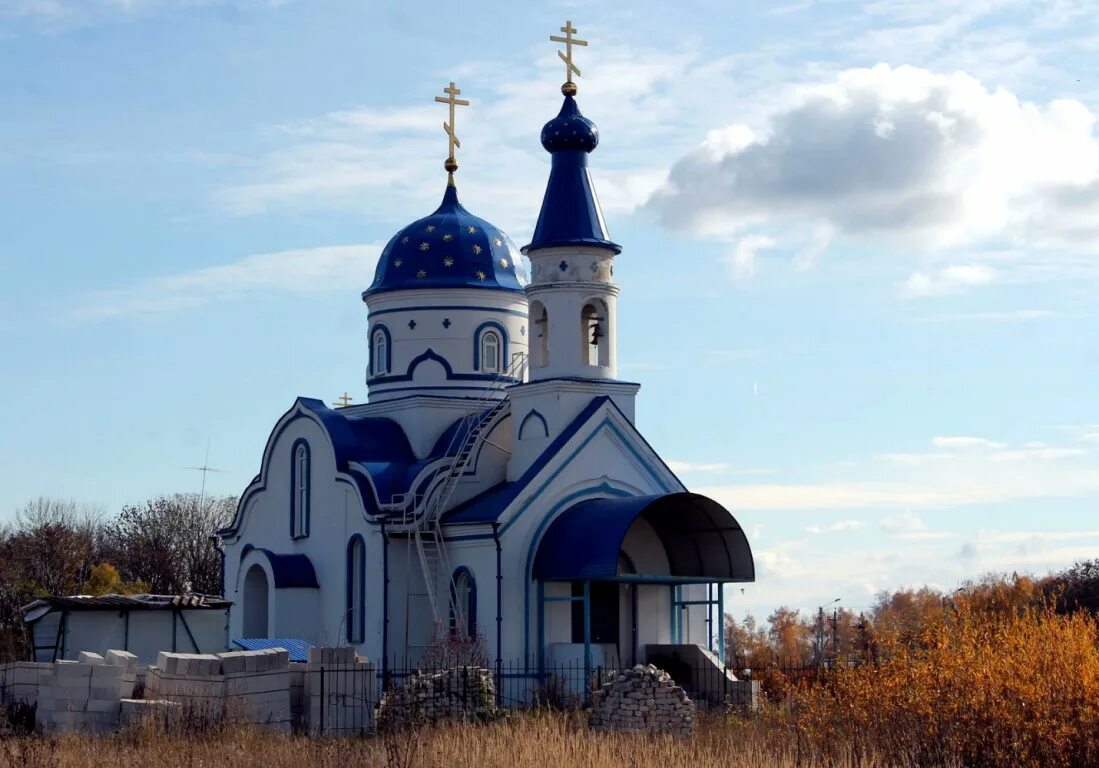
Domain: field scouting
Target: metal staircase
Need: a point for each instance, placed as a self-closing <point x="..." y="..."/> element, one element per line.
<point x="425" y="518"/>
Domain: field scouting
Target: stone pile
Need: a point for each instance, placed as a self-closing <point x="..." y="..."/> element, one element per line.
<point x="642" y="700"/>
<point x="339" y="691"/>
<point x="459" y="693"/>
<point x="85" y="695"/>
<point x="247" y="686"/>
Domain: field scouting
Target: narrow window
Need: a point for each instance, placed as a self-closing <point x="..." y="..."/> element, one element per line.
<point x="381" y="352"/>
<point x="463" y="603"/>
<point x="490" y="352"/>
<point x="594" y="349"/>
<point x="539" y="350"/>
<point x="299" y="524"/>
<point x="356" y="590"/>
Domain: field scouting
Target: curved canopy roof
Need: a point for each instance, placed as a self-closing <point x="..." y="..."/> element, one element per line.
<point x="702" y="540"/>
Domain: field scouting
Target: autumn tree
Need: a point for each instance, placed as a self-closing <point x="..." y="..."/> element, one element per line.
<point x="790" y="635"/>
<point x="166" y="543"/>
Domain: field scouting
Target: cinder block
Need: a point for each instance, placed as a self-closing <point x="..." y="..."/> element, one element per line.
<point x="166" y="662"/>
<point x="232" y="662"/>
<point x="121" y="659"/>
<point x="88" y="657"/>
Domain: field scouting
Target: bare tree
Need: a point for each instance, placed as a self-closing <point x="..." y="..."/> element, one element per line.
<point x="166" y="543"/>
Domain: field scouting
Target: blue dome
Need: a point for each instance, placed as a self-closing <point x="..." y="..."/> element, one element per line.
<point x="570" y="130"/>
<point x="451" y="248"/>
<point x="570" y="214"/>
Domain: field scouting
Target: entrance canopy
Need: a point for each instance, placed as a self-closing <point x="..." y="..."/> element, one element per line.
<point x="702" y="540"/>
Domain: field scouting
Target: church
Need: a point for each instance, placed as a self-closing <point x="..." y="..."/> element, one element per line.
<point x="494" y="484"/>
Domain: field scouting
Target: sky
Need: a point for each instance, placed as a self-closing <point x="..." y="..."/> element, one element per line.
<point x="861" y="249"/>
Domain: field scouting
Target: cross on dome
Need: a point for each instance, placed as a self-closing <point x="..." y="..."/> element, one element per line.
<point x="569" y="88"/>
<point x="452" y="100"/>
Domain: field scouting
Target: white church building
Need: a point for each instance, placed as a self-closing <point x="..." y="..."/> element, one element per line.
<point x="494" y="483"/>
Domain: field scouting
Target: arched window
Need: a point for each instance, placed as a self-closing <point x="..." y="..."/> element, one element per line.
<point x="256" y="596"/>
<point x="463" y="603"/>
<point x="299" y="493"/>
<point x="380" y="354"/>
<point x="490" y="352"/>
<point x="594" y="349"/>
<point x="539" y="350"/>
<point x="356" y="590"/>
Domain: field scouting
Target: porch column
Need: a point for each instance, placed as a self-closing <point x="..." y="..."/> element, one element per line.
<point x="587" y="633"/>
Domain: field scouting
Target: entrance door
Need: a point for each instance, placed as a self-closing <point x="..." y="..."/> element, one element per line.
<point x="255" y="602"/>
<point x="604" y="612"/>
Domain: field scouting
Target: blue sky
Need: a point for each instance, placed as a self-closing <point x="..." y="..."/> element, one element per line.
<point x="861" y="248"/>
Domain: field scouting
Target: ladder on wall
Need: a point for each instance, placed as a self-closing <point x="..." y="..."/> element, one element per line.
<point x="427" y="533"/>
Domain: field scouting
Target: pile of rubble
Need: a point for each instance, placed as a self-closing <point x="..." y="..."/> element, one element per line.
<point x="643" y="699"/>
<point x="459" y="693"/>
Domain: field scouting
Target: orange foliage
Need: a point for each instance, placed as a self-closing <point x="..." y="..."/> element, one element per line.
<point x="975" y="686"/>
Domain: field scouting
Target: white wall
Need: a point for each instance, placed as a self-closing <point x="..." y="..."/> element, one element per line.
<point x="150" y="631"/>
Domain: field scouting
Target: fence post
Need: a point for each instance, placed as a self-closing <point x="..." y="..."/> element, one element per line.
<point x="323" y="702"/>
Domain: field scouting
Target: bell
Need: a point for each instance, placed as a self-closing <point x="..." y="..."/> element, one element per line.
<point x="596" y="334"/>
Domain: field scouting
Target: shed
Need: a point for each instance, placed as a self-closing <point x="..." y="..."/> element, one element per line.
<point x="63" y="626"/>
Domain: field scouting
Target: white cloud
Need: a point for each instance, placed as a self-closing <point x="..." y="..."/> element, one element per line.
<point x="1008" y="316"/>
<point x="741" y="262"/>
<point x="840" y="526"/>
<point x="902" y="156"/>
<point x="906" y="522"/>
<point x="306" y="270"/>
<point x="960" y="441"/>
<point x="684" y="467"/>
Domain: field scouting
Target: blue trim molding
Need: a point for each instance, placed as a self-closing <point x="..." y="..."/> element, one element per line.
<point x="296" y="479"/>
<point x="388" y="351"/>
<point x="451" y="307"/>
<point x="290" y="571"/>
<point x="537" y="421"/>
<point x="478" y="333"/>
<point x="356" y="613"/>
<point x="433" y="356"/>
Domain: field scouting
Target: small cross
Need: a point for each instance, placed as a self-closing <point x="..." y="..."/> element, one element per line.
<point x="446" y="322"/>
<point x="411" y="325"/>
<point x="343" y="401"/>
<point x="569" y="42"/>
<point x="522" y="330"/>
<point x="563" y="266"/>
<point x="451" y="100"/>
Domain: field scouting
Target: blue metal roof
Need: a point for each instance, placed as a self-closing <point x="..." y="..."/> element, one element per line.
<point x="298" y="649"/>
<point x="570" y="212"/>
<point x="290" y="571"/>
<point x="451" y="248"/>
<point x="701" y="539"/>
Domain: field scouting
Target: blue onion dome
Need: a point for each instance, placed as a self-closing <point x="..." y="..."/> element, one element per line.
<point x="570" y="130"/>
<point x="570" y="214"/>
<point x="451" y="248"/>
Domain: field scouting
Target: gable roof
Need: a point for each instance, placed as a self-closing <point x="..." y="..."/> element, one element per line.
<point x="490" y="505"/>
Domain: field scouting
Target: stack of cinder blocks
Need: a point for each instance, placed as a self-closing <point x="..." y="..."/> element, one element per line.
<point x="85" y="695"/>
<point x="19" y="681"/>
<point x="247" y="686"/>
<point x="340" y="692"/>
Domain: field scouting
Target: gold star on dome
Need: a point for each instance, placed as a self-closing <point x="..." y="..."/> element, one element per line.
<point x="429" y="228"/>
<point x="397" y="262"/>
<point x="476" y="249"/>
<point x="499" y="242"/>
<point x="424" y="246"/>
<point x="421" y="274"/>
<point x="448" y="262"/>
<point x="448" y="237"/>
<point x="479" y="275"/>
<point x="504" y="263"/>
<point x="471" y="230"/>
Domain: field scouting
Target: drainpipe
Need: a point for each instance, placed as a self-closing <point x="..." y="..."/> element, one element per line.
<point x="385" y="608"/>
<point x="499" y="607"/>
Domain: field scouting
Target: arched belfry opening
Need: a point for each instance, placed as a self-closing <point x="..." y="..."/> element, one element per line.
<point x="594" y="345"/>
<point x="539" y="349"/>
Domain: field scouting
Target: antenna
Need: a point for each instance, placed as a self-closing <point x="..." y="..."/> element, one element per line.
<point x="204" y="469"/>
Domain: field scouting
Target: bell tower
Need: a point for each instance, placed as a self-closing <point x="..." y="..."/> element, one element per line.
<point x="572" y="297"/>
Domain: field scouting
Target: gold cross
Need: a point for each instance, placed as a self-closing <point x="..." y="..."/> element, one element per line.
<point x="343" y="400"/>
<point x="569" y="42"/>
<point x="451" y="164"/>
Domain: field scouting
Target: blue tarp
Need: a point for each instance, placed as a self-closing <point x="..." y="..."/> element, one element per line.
<point x="298" y="649"/>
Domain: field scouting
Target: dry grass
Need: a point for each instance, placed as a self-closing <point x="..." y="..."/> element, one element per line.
<point x="537" y="741"/>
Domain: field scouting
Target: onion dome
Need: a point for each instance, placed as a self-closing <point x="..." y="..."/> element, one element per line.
<point x="451" y="248"/>
<point x="570" y="213"/>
